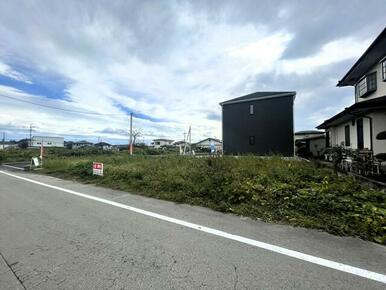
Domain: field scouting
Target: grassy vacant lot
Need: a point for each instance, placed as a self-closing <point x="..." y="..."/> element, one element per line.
<point x="274" y="190"/>
<point x="17" y="154"/>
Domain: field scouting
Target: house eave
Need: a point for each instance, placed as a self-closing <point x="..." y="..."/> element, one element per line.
<point x="289" y="94"/>
<point x="355" y="111"/>
<point x="373" y="54"/>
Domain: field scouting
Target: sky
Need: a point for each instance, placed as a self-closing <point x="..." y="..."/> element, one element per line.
<point x="78" y="68"/>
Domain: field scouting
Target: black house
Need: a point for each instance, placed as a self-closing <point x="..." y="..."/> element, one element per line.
<point x="260" y="123"/>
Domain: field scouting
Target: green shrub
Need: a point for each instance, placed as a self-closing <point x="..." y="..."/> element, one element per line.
<point x="81" y="169"/>
<point x="272" y="189"/>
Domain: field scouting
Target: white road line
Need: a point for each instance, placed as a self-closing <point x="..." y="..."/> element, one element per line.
<point x="294" y="254"/>
<point x="14" y="167"/>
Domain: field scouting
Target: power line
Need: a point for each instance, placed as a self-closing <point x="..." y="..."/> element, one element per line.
<point x="61" y="109"/>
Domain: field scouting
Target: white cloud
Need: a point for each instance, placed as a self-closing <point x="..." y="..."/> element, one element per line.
<point x="7" y="71"/>
<point x="62" y="121"/>
<point x="331" y="52"/>
<point x="174" y="66"/>
<point x="201" y="71"/>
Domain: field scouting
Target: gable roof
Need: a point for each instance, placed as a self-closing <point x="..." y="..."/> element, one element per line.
<point x="309" y="132"/>
<point x="180" y="142"/>
<point x="355" y="110"/>
<point x="259" y="96"/>
<point x="82" y="142"/>
<point x="102" y="144"/>
<point x="162" y="139"/>
<point x="374" y="53"/>
<point x="48" y="137"/>
<point x="209" y="139"/>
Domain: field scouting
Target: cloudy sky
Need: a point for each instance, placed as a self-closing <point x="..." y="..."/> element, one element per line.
<point x="77" y="68"/>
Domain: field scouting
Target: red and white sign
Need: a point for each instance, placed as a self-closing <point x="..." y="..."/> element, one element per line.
<point x="97" y="168"/>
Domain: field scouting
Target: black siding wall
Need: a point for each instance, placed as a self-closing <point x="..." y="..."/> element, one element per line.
<point x="271" y="124"/>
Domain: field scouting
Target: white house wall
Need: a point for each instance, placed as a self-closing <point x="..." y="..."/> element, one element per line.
<point x="379" y="125"/>
<point x="317" y="146"/>
<point x="47" y="141"/>
<point x="337" y="134"/>
<point x="381" y="85"/>
<point x="337" y="137"/>
<point x="5" y="146"/>
<point x="207" y="143"/>
<point x="161" y="143"/>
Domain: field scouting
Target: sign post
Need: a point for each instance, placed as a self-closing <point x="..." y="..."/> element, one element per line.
<point x="97" y="168"/>
<point x="131" y="134"/>
<point x="41" y="153"/>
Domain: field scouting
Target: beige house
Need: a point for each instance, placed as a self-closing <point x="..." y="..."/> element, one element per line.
<point x="158" y="143"/>
<point x="208" y="142"/>
<point x="47" y="141"/>
<point x="363" y="125"/>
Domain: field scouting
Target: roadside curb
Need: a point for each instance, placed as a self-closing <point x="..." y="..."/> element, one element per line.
<point x="8" y="278"/>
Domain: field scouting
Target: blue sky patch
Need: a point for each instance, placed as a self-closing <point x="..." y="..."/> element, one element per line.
<point x="137" y="114"/>
<point x="48" y="85"/>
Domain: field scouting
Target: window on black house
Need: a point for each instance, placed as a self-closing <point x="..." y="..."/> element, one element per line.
<point x="384" y="70"/>
<point x="251" y="140"/>
<point x="347" y="135"/>
<point x="251" y="110"/>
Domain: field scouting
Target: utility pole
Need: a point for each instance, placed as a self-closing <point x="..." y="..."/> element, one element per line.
<point x="190" y="140"/>
<point x="131" y="134"/>
<point x="41" y="153"/>
<point x="3" y="140"/>
<point x="30" y="135"/>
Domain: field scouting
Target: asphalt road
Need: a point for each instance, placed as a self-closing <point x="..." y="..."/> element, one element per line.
<point x="51" y="239"/>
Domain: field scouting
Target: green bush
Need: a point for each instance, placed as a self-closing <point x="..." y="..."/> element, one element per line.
<point x="272" y="189"/>
<point x="18" y="154"/>
<point x="81" y="169"/>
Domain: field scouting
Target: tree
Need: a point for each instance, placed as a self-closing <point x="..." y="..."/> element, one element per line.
<point x="23" y="144"/>
<point x="136" y="134"/>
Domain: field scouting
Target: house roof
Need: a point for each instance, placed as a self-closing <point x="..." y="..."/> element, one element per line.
<point x="311" y="138"/>
<point x="47" y="137"/>
<point x="22" y="140"/>
<point x="121" y="146"/>
<point x="209" y="139"/>
<point x="358" y="109"/>
<point x="162" y="139"/>
<point x="82" y="142"/>
<point x="309" y="132"/>
<point x="102" y="144"/>
<point x="179" y="142"/>
<point x="374" y="53"/>
<point x="258" y="96"/>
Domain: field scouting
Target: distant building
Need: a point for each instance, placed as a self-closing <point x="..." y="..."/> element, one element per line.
<point x="158" y="143"/>
<point x="103" y="145"/>
<point x="23" y="143"/>
<point x="260" y="123"/>
<point x="180" y="143"/>
<point x="310" y="143"/>
<point x="47" y="141"/>
<point x="307" y="134"/>
<point x="121" y="147"/>
<point x="81" y="144"/>
<point x="208" y="142"/>
<point x="68" y="144"/>
<point x="8" y="144"/>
